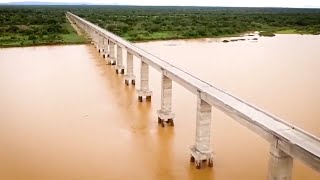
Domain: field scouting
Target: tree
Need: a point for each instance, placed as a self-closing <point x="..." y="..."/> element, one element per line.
<point x="32" y="37"/>
<point x="13" y="29"/>
<point x="54" y="29"/>
<point x="154" y="28"/>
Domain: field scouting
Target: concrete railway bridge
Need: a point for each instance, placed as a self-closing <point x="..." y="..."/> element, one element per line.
<point x="286" y="141"/>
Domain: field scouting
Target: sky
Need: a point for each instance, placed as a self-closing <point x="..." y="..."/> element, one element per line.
<point x="237" y="3"/>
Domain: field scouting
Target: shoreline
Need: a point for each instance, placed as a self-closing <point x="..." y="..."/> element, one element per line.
<point x="44" y="44"/>
<point x="146" y="41"/>
<point x="191" y="38"/>
<point x="221" y="37"/>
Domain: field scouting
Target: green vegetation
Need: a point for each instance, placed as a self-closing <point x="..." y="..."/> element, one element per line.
<point x="35" y="25"/>
<point x="288" y="31"/>
<point x="153" y="23"/>
<point x="266" y="33"/>
<point x="32" y="25"/>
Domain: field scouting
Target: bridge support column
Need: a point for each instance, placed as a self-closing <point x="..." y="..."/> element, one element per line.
<point x="201" y="151"/>
<point x="280" y="164"/>
<point x="106" y="48"/>
<point x="111" y="59"/>
<point x="144" y="83"/>
<point x="165" y="113"/>
<point x="100" y="43"/>
<point x="130" y="77"/>
<point x="103" y="47"/>
<point x="119" y="63"/>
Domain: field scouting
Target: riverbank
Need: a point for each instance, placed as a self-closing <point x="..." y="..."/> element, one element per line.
<point x="266" y="33"/>
<point x="239" y="36"/>
<point x="164" y="38"/>
<point x="43" y="44"/>
<point x="73" y="39"/>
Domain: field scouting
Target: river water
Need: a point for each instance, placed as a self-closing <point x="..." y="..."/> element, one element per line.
<point x="64" y="114"/>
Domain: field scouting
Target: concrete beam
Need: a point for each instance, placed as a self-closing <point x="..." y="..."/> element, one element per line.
<point x="292" y="140"/>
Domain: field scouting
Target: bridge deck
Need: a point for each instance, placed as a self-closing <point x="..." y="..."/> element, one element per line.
<point x="292" y="140"/>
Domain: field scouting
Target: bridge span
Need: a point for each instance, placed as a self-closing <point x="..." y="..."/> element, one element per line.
<point x="286" y="141"/>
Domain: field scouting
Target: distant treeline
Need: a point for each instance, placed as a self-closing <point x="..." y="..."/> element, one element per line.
<point x="145" y="23"/>
<point x="152" y="23"/>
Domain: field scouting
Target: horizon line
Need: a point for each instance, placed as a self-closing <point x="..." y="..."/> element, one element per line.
<point x="94" y="4"/>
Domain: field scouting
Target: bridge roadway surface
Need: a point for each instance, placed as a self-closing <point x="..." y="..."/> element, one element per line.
<point x="290" y="139"/>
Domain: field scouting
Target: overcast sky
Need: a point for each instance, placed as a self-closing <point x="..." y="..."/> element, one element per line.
<point x="242" y="3"/>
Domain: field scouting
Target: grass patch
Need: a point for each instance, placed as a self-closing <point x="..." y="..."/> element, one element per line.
<point x="267" y="34"/>
<point x="287" y="31"/>
<point x="18" y="40"/>
<point x="73" y="38"/>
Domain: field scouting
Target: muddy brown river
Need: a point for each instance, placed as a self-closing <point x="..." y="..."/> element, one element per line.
<point x="65" y="114"/>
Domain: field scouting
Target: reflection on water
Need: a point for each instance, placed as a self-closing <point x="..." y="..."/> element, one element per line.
<point x="64" y="114"/>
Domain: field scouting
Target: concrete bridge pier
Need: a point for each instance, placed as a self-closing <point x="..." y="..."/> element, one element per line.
<point x="103" y="45"/>
<point x="130" y="77"/>
<point x="201" y="152"/>
<point x="111" y="59"/>
<point x="106" y="48"/>
<point x="119" y="61"/>
<point x="144" y="82"/>
<point x="280" y="164"/>
<point x="165" y="113"/>
<point x="100" y="43"/>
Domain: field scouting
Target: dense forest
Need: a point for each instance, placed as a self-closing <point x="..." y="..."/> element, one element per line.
<point x="150" y="23"/>
<point x="35" y="25"/>
<point x="48" y="23"/>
